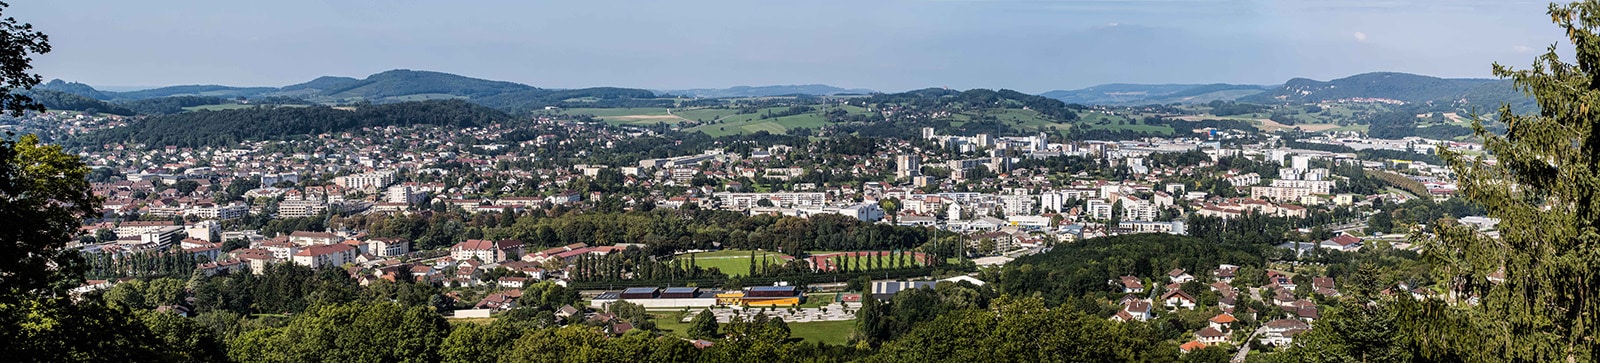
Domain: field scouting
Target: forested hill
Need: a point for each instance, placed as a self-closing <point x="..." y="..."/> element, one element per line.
<point x="1446" y="94"/>
<point x="404" y="82"/>
<point x="63" y="101"/>
<point x="976" y="99"/>
<point x="171" y="91"/>
<point x="227" y="127"/>
<point x="400" y="85"/>
<point x="1076" y="269"/>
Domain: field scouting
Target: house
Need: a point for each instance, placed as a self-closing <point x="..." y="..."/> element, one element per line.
<point x="174" y="309"/>
<point x="505" y="300"/>
<point x="1211" y="335"/>
<point x="1225" y="272"/>
<point x="1281" y="332"/>
<point x="565" y="311"/>
<point x="1191" y="346"/>
<point x="1179" y="299"/>
<point x="1344" y="242"/>
<point x="1324" y="286"/>
<point x="1133" y="309"/>
<point x="1179" y="276"/>
<point x="1275" y="278"/>
<point x="619" y="327"/>
<point x="320" y="256"/>
<point x="1130" y="284"/>
<point x="486" y="250"/>
<point x="1222" y="322"/>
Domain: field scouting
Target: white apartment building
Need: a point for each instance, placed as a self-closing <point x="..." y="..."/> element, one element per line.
<point x="1279" y="193"/>
<point x="301" y="208"/>
<point x="741" y="201"/>
<point x="403" y="194"/>
<point x="1316" y="186"/>
<point x="365" y="181"/>
<point x="320" y="256"/>
<point x="213" y="211"/>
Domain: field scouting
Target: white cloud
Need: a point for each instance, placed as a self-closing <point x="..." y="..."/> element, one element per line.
<point x="1361" y="37"/>
<point x="1522" y="49"/>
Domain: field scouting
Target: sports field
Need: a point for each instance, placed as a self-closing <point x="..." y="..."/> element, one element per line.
<point x="734" y="262"/>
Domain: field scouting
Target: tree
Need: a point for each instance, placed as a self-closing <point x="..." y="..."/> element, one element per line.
<point x="43" y="195"/>
<point x="1380" y="222"/>
<point x="19" y="39"/>
<point x="1543" y="189"/>
<point x="384" y="332"/>
<point x="703" y="326"/>
<point x="1116" y="215"/>
<point x="469" y="343"/>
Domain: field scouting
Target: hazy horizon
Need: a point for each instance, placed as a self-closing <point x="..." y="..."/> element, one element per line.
<point x="1030" y="46"/>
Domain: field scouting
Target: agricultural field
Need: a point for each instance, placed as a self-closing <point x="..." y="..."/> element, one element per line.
<point x="732" y="123"/>
<point x="734" y="262"/>
<point x="627" y="116"/>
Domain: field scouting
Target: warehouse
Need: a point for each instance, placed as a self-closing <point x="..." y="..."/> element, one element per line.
<point x="654" y="297"/>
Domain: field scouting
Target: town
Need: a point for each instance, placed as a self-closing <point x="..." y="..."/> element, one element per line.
<point x="332" y="201"/>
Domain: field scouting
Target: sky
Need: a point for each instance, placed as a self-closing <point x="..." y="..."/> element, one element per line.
<point x="889" y="45"/>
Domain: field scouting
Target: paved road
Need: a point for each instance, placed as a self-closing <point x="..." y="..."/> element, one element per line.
<point x="1244" y="349"/>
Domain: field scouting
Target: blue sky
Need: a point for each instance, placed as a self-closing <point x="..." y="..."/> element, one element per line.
<point x="893" y="45"/>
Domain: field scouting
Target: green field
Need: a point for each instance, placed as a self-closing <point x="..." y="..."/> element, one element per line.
<point x="732" y="262"/>
<point x="627" y="116"/>
<point x="828" y="332"/>
<point x="732" y="123"/>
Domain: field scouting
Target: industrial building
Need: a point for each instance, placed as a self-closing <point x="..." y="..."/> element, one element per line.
<point x="679" y="297"/>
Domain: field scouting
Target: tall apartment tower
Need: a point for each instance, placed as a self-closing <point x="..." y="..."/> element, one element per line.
<point x="908" y="166"/>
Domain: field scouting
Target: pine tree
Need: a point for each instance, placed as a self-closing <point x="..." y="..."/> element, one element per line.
<point x="1545" y="189"/>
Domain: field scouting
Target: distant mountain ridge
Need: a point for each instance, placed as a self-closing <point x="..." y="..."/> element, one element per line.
<point x="1485" y="94"/>
<point x="1129" y="94"/>
<point x="393" y="86"/>
<point x="767" y="91"/>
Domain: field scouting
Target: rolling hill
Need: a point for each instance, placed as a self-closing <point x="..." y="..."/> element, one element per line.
<point x="185" y="90"/>
<point x="392" y="86"/>
<point x="226" y="127"/>
<point x="1443" y="94"/>
<point x="1132" y="94"/>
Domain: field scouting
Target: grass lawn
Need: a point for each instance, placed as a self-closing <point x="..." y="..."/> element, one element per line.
<point x="670" y="322"/>
<point x="818" y="300"/>
<point x="828" y="332"/>
<point x="733" y="262"/>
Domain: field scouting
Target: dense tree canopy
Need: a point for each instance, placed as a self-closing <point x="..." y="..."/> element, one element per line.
<point x="228" y="127"/>
<point x="1545" y="188"/>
